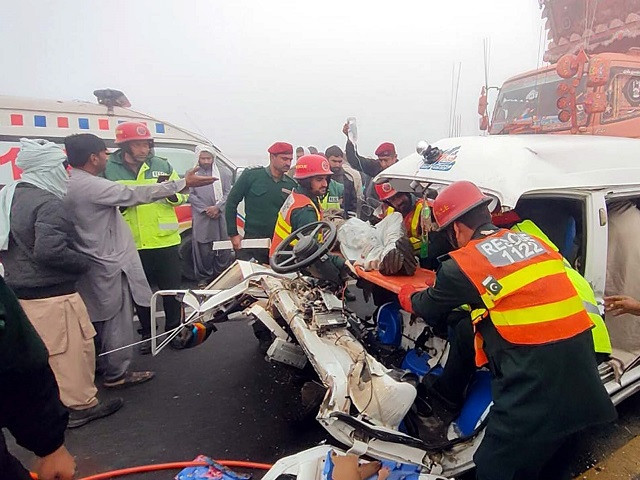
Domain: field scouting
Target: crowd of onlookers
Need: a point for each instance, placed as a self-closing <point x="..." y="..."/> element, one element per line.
<point x="84" y="236"/>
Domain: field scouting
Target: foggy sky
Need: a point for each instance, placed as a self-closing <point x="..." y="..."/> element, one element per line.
<point x="246" y="74"/>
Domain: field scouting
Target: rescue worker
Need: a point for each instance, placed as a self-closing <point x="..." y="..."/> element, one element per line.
<point x="429" y="245"/>
<point x="449" y="386"/>
<point x="348" y="199"/>
<point x="264" y="190"/>
<point x="601" y="340"/>
<point x="302" y="207"/>
<point x="410" y="208"/>
<point x="154" y="225"/>
<point x="531" y="329"/>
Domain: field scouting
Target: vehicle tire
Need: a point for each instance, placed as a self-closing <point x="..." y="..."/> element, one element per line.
<point x="186" y="256"/>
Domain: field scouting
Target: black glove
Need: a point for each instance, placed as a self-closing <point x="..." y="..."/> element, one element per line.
<point x="410" y="263"/>
<point x="392" y="262"/>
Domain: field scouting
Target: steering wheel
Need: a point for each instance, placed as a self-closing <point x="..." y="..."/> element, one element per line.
<point x="303" y="247"/>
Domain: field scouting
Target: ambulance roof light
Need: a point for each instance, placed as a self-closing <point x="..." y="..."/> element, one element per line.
<point x="112" y="98"/>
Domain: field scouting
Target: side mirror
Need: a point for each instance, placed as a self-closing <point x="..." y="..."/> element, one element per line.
<point x="483" y="102"/>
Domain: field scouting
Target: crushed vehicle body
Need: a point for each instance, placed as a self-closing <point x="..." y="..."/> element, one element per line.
<point x="369" y="367"/>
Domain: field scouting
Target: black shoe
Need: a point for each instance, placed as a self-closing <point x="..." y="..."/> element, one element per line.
<point x="145" y="348"/>
<point x="78" y="418"/>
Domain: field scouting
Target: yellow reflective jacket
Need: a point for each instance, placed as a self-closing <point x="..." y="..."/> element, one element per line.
<point x="153" y="225"/>
<point x="601" y="340"/>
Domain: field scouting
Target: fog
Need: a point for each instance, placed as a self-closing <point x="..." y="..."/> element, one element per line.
<point x="246" y="74"/>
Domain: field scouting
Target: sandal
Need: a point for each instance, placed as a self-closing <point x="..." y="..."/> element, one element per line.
<point x="129" y="379"/>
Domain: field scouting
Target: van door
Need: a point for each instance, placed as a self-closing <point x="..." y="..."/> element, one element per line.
<point x="571" y="220"/>
<point x="595" y="261"/>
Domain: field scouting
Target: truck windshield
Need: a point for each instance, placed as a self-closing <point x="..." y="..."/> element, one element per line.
<point x="530" y="102"/>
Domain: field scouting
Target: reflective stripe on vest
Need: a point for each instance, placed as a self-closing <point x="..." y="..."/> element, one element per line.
<point x="333" y="197"/>
<point x="283" y="223"/>
<point x="153" y="225"/>
<point x="601" y="340"/>
<point x="412" y="223"/>
<point x="523" y="284"/>
<point x="330" y="202"/>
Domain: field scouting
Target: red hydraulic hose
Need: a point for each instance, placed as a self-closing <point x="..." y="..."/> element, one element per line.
<point x="174" y="466"/>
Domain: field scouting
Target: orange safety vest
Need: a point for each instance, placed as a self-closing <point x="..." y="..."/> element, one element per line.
<point x="283" y="224"/>
<point x="412" y="223"/>
<point x="524" y="286"/>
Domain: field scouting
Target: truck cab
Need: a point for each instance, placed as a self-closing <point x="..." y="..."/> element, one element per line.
<point x="605" y="99"/>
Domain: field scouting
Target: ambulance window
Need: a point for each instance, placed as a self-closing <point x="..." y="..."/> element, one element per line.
<point x="623" y="96"/>
<point x="562" y="220"/>
<point x="181" y="159"/>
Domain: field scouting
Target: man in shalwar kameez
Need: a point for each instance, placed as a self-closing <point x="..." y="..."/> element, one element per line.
<point x="207" y="213"/>
<point x="115" y="277"/>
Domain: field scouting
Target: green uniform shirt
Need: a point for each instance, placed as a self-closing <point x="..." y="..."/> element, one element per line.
<point x="153" y="225"/>
<point x="263" y="196"/>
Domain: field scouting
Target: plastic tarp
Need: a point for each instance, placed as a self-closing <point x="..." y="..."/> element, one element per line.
<point x="366" y="245"/>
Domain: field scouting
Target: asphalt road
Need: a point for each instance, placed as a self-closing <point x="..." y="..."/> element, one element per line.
<point x="222" y="399"/>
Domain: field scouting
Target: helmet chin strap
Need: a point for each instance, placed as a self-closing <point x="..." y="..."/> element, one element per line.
<point x="451" y="236"/>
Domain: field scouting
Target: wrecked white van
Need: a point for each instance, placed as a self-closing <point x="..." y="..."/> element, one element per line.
<point x="567" y="185"/>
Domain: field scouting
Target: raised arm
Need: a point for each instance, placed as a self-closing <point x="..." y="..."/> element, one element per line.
<point x="106" y="192"/>
<point x="369" y="166"/>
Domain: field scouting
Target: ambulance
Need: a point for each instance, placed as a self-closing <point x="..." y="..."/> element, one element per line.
<point x="54" y="120"/>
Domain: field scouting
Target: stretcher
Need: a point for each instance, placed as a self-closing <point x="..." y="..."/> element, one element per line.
<point x="422" y="279"/>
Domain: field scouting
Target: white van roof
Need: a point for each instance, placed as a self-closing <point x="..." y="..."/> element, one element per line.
<point x="53" y="119"/>
<point x="508" y="166"/>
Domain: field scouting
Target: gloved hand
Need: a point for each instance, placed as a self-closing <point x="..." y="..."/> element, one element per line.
<point x="392" y="262"/>
<point x="409" y="264"/>
<point x="404" y="297"/>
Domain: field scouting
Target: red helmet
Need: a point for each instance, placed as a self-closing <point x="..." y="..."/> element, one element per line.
<point x="456" y="200"/>
<point x="129" y="131"/>
<point x="385" y="191"/>
<point x="310" y="166"/>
